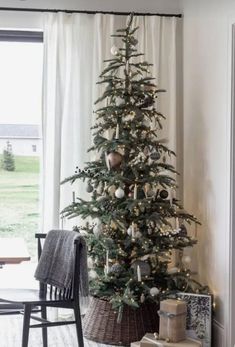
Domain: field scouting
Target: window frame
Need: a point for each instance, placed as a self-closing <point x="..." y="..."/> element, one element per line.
<point x="21" y="35"/>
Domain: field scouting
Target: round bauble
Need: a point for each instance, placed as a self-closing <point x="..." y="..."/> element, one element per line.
<point x="155" y="156"/>
<point x="183" y="230"/>
<point x="90" y="263"/>
<point x="138" y="235"/>
<point x="97" y="229"/>
<point x="163" y="194"/>
<point x="119" y="193"/>
<point x="140" y="194"/>
<point x="115" y="159"/>
<point x="144" y="267"/>
<point x="89" y="188"/>
<point x="113" y="225"/>
<point x="116" y="268"/>
<point x="111" y="190"/>
<point x="114" y="50"/>
<point x="129" y="231"/>
<point x="92" y="274"/>
<point x="133" y="41"/>
<point x="186" y="259"/>
<point x="154" y="291"/>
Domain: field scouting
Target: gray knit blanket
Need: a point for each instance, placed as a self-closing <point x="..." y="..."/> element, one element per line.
<point x="56" y="264"/>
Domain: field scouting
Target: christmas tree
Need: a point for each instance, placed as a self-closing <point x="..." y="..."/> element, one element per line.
<point x="133" y="220"/>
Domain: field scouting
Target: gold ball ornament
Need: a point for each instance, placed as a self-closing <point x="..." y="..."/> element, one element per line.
<point x="186" y="259"/>
<point x="115" y="159"/>
<point x="111" y="190"/>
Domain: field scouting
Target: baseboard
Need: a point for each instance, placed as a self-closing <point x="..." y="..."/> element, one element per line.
<point x="218" y="334"/>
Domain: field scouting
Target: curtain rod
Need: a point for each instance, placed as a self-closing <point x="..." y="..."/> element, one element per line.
<point x="88" y="12"/>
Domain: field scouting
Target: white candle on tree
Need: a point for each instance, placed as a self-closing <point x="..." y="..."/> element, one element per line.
<point x="107" y="161"/>
<point x="107" y="262"/>
<point x="135" y="191"/>
<point x="73" y="197"/>
<point x="138" y="273"/>
<point x="117" y="132"/>
<point x="133" y="230"/>
<point x="177" y="223"/>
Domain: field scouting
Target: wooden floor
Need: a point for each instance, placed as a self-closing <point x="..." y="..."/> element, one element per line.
<point x="64" y="336"/>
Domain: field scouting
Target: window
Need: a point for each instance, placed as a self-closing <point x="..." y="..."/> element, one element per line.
<point x="21" y="55"/>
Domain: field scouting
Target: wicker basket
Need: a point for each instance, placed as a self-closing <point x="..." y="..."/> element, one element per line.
<point x="100" y="323"/>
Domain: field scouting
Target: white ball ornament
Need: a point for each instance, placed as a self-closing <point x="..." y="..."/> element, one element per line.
<point x="119" y="193"/>
<point x="154" y="291"/>
<point x="90" y="263"/>
<point x="138" y="235"/>
<point x="186" y="259"/>
<point x="129" y="231"/>
<point x="92" y="274"/>
<point x="114" y="50"/>
<point x="97" y="230"/>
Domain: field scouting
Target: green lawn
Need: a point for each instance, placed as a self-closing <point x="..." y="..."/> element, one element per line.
<point x="19" y="201"/>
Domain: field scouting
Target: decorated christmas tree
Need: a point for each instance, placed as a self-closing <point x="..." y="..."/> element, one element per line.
<point x="133" y="220"/>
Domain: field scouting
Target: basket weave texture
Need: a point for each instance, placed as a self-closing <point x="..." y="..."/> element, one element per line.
<point x="100" y="323"/>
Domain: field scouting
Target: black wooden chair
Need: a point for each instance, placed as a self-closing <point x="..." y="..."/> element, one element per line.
<point x="35" y="301"/>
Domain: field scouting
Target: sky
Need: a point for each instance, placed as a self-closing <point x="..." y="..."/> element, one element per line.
<point x="20" y="82"/>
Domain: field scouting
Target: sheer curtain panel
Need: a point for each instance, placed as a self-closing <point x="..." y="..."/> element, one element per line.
<point x="75" y="46"/>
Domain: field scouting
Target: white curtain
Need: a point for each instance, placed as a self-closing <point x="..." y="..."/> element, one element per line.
<point x="75" y="47"/>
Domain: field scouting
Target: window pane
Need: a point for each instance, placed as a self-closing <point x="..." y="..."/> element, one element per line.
<point x="20" y="120"/>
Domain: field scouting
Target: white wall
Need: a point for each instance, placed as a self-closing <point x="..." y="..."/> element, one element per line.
<point x="207" y="125"/>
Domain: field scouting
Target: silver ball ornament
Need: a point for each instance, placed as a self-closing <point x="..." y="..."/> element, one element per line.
<point x="116" y="268"/>
<point x="154" y="291"/>
<point x="89" y="188"/>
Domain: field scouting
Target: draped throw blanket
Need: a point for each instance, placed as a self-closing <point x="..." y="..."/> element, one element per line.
<point x="56" y="264"/>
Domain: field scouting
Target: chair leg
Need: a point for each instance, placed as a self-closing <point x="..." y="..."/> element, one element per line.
<point x="25" y="336"/>
<point x="78" y="321"/>
<point x="44" y="330"/>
